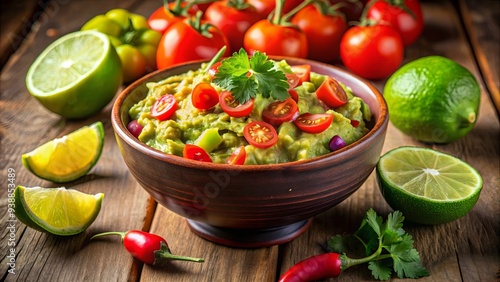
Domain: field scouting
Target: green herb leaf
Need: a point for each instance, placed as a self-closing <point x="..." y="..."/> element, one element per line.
<point x="246" y="77"/>
<point x="381" y="269"/>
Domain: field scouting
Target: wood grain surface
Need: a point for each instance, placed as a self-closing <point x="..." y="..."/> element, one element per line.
<point x="464" y="250"/>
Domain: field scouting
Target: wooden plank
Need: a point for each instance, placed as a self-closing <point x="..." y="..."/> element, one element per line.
<point x="24" y="125"/>
<point x="438" y="245"/>
<point x="483" y="27"/>
<point x="16" y="18"/>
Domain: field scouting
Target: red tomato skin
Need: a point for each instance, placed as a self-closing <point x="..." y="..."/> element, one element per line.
<point x="196" y="153"/>
<point x="323" y="33"/>
<point x="204" y="96"/>
<point x="269" y="130"/>
<point x="280" y="111"/>
<point x="240" y="110"/>
<point x="302" y="122"/>
<point x="164" y="107"/>
<point x="408" y="26"/>
<point x="182" y="43"/>
<point x="238" y="157"/>
<point x="276" y="40"/>
<point x="303" y="72"/>
<point x="161" y="19"/>
<point x="331" y="93"/>
<point x="233" y="23"/>
<point x="265" y="7"/>
<point x="372" y="52"/>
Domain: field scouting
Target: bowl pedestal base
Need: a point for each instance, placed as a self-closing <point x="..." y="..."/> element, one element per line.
<point x="249" y="238"/>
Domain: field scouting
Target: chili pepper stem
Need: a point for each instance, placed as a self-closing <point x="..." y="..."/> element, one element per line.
<point x="121" y="234"/>
<point x="165" y="254"/>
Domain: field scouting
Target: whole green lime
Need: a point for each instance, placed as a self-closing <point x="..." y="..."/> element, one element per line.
<point x="433" y="99"/>
<point x="77" y="75"/>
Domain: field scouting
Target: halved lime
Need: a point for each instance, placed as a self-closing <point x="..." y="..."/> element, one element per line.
<point x="57" y="211"/>
<point x="77" y="75"/>
<point x="428" y="186"/>
<point x="69" y="157"/>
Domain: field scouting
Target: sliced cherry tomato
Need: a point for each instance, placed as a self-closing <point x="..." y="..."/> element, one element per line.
<point x="196" y="153"/>
<point x="303" y="72"/>
<point x="292" y="79"/>
<point x="293" y="94"/>
<point x="204" y="96"/>
<point x="280" y="111"/>
<point x="233" y="107"/>
<point x="260" y="134"/>
<point x="331" y="93"/>
<point x="313" y="123"/>
<point x="214" y="69"/>
<point x="164" y="107"/>
<point x="238" y="156"/>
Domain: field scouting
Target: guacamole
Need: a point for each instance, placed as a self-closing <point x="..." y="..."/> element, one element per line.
<point x="190" y="125"/>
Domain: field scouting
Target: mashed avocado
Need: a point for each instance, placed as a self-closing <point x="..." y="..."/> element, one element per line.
<point x="189" y="123"/>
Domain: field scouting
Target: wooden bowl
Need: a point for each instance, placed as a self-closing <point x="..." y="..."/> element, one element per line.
<point x="253" y="205"/>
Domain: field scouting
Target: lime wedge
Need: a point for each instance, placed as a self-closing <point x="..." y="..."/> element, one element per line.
<point x="57" y="211"/>
<point x="428" y="186"/>
<point x="77" y="75"/>
<point x="69" y="157"/>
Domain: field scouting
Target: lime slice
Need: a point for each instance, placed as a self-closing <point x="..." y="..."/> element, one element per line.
<point x="69" y="157"/>
<point x="428" y="186"/>
<point x="77" y="75"/>
<point x="57" y="211"/>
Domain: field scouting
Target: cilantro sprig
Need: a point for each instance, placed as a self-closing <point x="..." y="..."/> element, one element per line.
<point x="387" y="246"/>
<point x="246" y="77"/>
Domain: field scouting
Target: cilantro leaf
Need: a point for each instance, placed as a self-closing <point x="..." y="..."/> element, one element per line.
<point x="381" y="269"/>
<point x="376" y="222"/>
<point x="246" y="77"/>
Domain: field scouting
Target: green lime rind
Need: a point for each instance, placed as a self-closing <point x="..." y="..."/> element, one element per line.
<point x="98" y="127"/>
<point x="25" y="214"/>
<point x="422" y="209"/>
<point x="77" y="75"/>
<point x="433" y="99"/>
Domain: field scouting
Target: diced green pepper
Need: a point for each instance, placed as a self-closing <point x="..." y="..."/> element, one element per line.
<point x="209" y="139"/>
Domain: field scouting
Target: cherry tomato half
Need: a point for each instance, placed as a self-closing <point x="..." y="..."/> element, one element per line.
<point x="234" y="108"/>
<point x="303" y="72"/>
<point x="237" y="157"/>
<point x="204" y="96"/>
<point x="196" y="153"/>
<point x="292" y="79"/>
<point x="214" y="69"/>
<point x="313" y="123"/>
<point x="294" y="94"/>
<point x="164" y="107"/>
<point x="331" y="93"/>
<point x="280" y="111"/>
<point x="260" y="134"/>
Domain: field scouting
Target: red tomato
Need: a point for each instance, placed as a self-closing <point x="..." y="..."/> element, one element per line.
<point x="232" y="107"/>
<point x="265" y="7"/>
<point x="331" y="93"/>
<point x="293" y="94"/>
<point x="164" y="107"/>
<point x="214" y="69"/>
<point x="237" y="157"/>
<point x="406" y="18"/>
<point x="260" y="134"/>
<point x="372" y="52"/>
<point x="280" y="111"/>
<point x="196" y="153"/>
<point x="303" y="72"/>
<point x="313" y="123"/>
<point x="204" y="96"/>
<point x="232" y="20"/>
<point x="278" y="40"/>
<point x="351" y="9"/>
<point x="323" y="31"/>
<point x="182" y="43"/>
<point x="292" y="79"/>
<point x="161" y="18"/>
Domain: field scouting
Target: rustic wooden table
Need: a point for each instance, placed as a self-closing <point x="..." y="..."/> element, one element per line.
<point x="466" y="31"/>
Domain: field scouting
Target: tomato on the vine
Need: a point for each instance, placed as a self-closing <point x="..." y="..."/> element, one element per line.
<point x="232" y="107"/>
<point x="280" y="111"/>
<point x="265" y="7"/>
<point x="189" y="40"/>
<point x="404" y="16"/>
<point x="260" y="134"/>
<point x="314" y="123"/>
<point x="164" y="107"/>
<point x="233" y="18"/>
<point x="352" y="9"/>
<point x="165" y="16"/>
<point x="204" y="96"/>
<point x="324" y="26"/>
<point x="276" y="36"/>
<point x="238" y="157"/>
<point x="196" y="153"/>
<point x="372" y="51"/>
<point x="331" y="93"/>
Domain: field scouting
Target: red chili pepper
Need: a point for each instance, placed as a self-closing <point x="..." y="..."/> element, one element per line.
<point x="147" y="247"/>
<point x="318" y="267"/>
